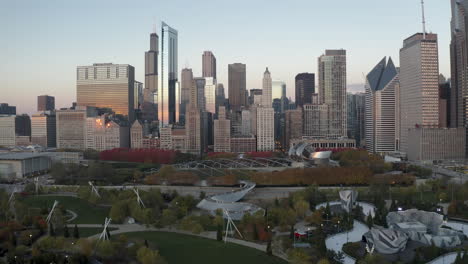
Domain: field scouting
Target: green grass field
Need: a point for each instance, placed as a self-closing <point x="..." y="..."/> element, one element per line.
<point x="178" y="248"/>
<point x="90" y="231"/>
<point x="87" y="213"/>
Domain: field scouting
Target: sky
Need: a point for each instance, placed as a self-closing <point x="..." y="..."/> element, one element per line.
<point x="43" y="41"/>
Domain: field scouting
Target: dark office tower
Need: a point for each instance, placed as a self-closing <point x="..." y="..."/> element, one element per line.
<point x="148" y="107"/>
<point x="151" y="64"/>
<point x="45" y="103"/>
<point x="185" y="87"/>
<point x="305" y="87"/>
<point x="168" y="101"/>
<point x="220" y="97"/>
<point x="459" y="64"/>
<point x="444" y="101"/>
<point x="209" y="64"/>
<point x="23" y="125"/>
<point x="6" y="109"/>
<point x="356" y="118"/>
<point x="237" y="85"/>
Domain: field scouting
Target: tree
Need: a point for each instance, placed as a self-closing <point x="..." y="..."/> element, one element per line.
<point x="255" y="232"/>
<point x="219" y="233"/>
<point x="148" y="256"/>
<point x="51" y="230"/>
<point x="291" y="232"/>
<point x="269" y="251"/>
<point x="202" y="195"/>
<point x="66" y="232"/>
<point x="323" y="261"/>
<point x="393" y="206"/>
<point x="76" y="232"/>
<point x="373" y="259"/>
<point x="370" y="221"/>
<point x="298" y="256"/>
<point x="137" y="175"/>
<point x="301" y="208"/>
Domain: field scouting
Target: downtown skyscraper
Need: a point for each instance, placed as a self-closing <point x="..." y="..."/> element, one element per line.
<point x="305" y="87"/>
<point x="332" y="90"/>
<point x="149" y="108"/>
<point x="167" y="94"/>
<point x="208" y="65"/>
<point x="459" y="64"/>
<point x="265" y="117"/>
<point x="419" y="84"/>
<point x="380" y="113"/>
<point x="237" y="86"/>
<point x="107" y="85"/>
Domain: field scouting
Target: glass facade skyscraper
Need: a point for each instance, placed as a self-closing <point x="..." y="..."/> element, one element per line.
<point x="168" y="72"/>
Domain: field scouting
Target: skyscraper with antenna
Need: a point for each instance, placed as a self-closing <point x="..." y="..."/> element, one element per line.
<point x="149" y="108"/>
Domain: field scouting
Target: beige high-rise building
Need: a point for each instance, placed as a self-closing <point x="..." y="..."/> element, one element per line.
<point x="332" y="90"/>
<point x="419" y="85"/>
<point x="107" y="85"/>
<point x="185" y="88"/>
<point x="380" y="107"/>
<point x="316" y="121"/>
<point x="165" y="137"/>
<point x="209" y="65"/>
<point x="265" y="117"/>
<point x="193" y="123"/>
<point x="104" y="134"/>
<point x="222" y="132"/>
<point x="136" y="135"/>
<point x="7" y="131"/>
<point x="71" y="129"/>
<point x="237" y="86"/>
<point x="429" y="144"/>
<point x="293" y="126"/>
<point x="44" y="129"/>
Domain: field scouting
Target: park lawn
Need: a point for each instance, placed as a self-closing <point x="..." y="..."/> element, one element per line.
<point x="90" y="231"/>
<point x="87" y="212"/>
<point x="179" y="248"/>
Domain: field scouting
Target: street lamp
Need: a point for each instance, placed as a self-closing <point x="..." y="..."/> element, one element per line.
<point x="30" y="238"/>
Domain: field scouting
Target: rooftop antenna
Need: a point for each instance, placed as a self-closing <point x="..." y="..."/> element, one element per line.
<point x="139" y="201"/>
<point x="230" y="224"/>
<point x="51" y="211"/>
<point x="423" y="19"/>
<point x="104" y="235"/>
<point x="94" y="190"/>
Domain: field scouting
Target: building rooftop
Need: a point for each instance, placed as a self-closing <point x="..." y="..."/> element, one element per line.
<point x="20" y="155"/>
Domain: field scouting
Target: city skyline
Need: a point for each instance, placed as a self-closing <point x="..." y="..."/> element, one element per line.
<point x="113" y="48"/>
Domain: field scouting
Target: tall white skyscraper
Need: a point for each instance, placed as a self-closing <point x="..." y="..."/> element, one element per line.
<point x="210" y="95"/>
<point x="265" y="117"/>
<point x="419" y="84"/>
<point x="380" y="107"/>
<point x="267" y="88"/>
<point x="332" y="90"/>
<point x="167" y="76"/>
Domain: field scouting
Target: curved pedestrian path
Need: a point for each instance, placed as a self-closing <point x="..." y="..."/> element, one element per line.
<point x="229" y="202"/>
<point x="336" y="242"/>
